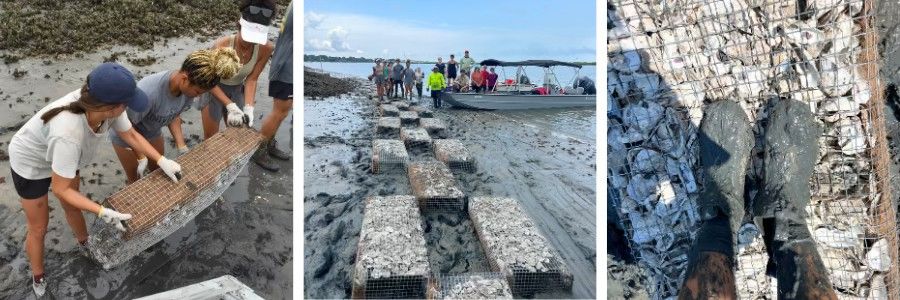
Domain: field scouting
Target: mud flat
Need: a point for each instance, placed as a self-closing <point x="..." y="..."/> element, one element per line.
<point x="551" y="174"/>
<point x="248" y="236"/>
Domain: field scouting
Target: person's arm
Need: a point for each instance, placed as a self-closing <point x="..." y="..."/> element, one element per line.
<point x="139" y="144"/>
<point x="175" y="130"/>
<point x="265" y="52"/>
<point x="62" y="189"/>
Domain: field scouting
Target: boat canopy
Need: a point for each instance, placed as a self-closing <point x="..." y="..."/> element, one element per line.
<point x="539" y="63"/>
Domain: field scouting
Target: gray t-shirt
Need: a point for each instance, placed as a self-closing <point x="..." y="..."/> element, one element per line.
<point x="398" y="72"/>
<point x="409" y="76"/>
<point x="283" y="58"/>
<point x="62" y="146"/>
<point x="163" y="107"/>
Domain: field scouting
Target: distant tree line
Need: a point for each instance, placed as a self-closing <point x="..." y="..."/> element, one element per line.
<point x="351" y="59"/>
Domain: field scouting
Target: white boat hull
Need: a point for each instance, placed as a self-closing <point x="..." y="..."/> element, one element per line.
<point x="513" y="101"/>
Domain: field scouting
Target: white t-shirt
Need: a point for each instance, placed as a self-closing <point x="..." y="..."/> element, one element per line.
<point x="63" y="145"/>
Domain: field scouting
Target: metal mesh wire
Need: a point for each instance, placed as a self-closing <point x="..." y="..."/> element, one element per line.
<point x="454" y="154"/>
<point x="387" y="110"/>
<point x="668" y="59"/>
<point x="435" y="127"/>
<point x="401" y="105"/>
<point x="160" y="206"/>
<point x="514" y="247"/>
<point x="422" y="111"/>
<point x="391" y="258"/>
<point x="416" y="140"/>
<point x="388" y="127"/>
<point x="409" y="117"/>
<point x="435" y="187"/>
<point x="389" y="155"/>
<point x="474" y="286"/>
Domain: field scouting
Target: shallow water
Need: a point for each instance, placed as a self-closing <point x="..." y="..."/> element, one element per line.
<point x="249" y="235"/>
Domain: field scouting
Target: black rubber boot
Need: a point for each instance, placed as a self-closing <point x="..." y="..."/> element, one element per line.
<point x="725" y="142"/>
<point x="261" y="158"/>
<point x="272" y="148"/>
<point x="790" y="155"/>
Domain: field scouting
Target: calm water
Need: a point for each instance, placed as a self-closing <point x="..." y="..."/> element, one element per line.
<point x="580" y="124"/>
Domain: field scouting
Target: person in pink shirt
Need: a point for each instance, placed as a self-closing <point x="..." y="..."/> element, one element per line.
<point x="477" y="80"/>
<point x="491" y="79"/>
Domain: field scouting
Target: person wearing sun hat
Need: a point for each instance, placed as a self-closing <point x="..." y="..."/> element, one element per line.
<point x="61" y="138"/>
<point x="234" y="98"/>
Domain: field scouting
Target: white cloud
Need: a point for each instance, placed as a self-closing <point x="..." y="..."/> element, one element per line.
<point x="318" y="45"/>
<point x="338" y="38"/>
<point x="360" y="51"/>
<point x="312" y="20"/>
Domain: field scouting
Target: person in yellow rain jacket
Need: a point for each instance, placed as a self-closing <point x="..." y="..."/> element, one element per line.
<point x="436" y="83"/>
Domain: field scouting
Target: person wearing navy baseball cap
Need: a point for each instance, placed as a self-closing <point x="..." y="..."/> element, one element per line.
<point x="48" y="151"/>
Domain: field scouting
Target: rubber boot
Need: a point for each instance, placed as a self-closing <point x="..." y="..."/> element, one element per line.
<point x="790" y="154"/>
<point x="272" y="148"/>
<point x="261" y="158"/>
<point x="725" y="142"/>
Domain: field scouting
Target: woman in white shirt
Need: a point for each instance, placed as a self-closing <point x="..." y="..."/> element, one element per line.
<point x="47" y="152"/>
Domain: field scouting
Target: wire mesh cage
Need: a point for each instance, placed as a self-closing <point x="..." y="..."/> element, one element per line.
<point x="669" y="59"/>
<point x="454" y="154"/>
<point x="387" y="110"/>
<point x="435" y="127"/>
<point x="435" y="187"/>
<point x="423" y="112"/>
<point x="473" y="286"/>
<point x="416" y="140"/>
<point x="389" y="155"/>
<point x="409" y="117"/>
<point x="514" y="247"/>
<point x="401" y="105"/>
<point x="388" y="127"/>
<point x="160" y="206"/>
<point x="391" y="258"/>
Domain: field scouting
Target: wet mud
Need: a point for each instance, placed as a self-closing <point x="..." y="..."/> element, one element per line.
<point x="552" y="175"/>
<point x="248" y="235"/>
<point x="323" y="85"/>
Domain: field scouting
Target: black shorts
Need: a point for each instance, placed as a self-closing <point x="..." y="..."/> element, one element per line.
<point x="30" y="189"/>
<point x="451" y="75"/>
<point x="281" y="90"/>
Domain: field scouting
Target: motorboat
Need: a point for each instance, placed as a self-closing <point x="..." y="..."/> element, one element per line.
<point x="520" y="93"/>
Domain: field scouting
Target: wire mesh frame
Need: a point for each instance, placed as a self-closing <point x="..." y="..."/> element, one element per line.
<point x="417" y="140"/>
<point x="160" y="207"/>
<point x="435" y="187"/>
<point x="388" y="127"/>
<point x="476" y="285"/>
<point x="387" y="110"/>
<point x="409" y="117"/>
<point x="435" y="127"/>
<point x="423" y="112"/>
<point x="497" y="220"/>
<point x="730" y="51"/>
<point x="389" y="156"/>
<point x="370" y="280"/>
<point x="454" y="154"/>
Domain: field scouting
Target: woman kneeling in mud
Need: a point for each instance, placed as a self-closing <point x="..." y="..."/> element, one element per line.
<point x="170" y="93"/>
<point x="47" y="152"/>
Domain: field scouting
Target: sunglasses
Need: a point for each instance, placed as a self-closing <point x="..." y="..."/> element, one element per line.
<point x="254" y="10"/>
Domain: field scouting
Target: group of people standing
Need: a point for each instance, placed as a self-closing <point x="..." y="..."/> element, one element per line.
<point x="63" y="137"/>
<point x="464" y="76"/>
<point x="396" y="80"/>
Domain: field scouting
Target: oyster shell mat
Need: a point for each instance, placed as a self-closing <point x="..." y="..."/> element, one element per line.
<point x="667" y="60"/>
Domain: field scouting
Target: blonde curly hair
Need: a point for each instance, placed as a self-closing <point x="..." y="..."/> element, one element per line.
<point x="205" y="68"/>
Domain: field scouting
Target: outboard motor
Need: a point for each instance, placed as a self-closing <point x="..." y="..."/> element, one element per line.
<point x="587" y="84"/>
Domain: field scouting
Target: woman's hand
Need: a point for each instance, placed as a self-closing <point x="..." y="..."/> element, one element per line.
<point x="170" y="167"/>
<point x="113" y="217"/>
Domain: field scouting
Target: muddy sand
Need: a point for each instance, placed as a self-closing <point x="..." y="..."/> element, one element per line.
<point x="553" y="177"/>
<point x="248" y="235"/>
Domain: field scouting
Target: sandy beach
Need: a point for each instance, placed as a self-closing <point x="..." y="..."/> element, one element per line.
<point x="249" y="235"/>
<point x="550" y="174"/>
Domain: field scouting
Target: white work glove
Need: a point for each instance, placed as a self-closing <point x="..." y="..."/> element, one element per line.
<point x="113" y="217"/>
<point x="170" y="167"/>
<point x="235" y="115"/>
<point x="183" y="149"/>
<point x="142" y="166"/>
<point x="248" y="110"/>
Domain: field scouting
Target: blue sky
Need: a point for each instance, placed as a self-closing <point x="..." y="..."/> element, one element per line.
<point x="424" y="30"/>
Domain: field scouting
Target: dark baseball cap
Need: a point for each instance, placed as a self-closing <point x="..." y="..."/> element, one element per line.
<point x="111" y="83"/>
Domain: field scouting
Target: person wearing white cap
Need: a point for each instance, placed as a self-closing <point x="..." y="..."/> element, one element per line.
<point x="61" y="138"/>
<point x="252" y="45"/>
